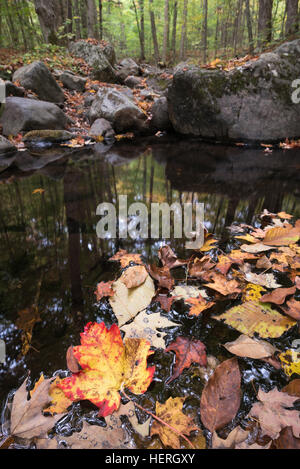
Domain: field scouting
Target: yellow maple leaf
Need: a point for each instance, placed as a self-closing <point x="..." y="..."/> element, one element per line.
<point x="290" y="360"/>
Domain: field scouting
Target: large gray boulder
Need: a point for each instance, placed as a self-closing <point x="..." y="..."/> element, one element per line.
<point x="6" y="146"/>
<point x="160" y="116"/>
<point x="73" y="82"/>
<point x="95" y="57"/>
<point x="118" y="109"/>
<point x="250" y="103"/>
<point x="127" y="67"/>
<point x="36" y="77"/>
<point x="23" y="114"/>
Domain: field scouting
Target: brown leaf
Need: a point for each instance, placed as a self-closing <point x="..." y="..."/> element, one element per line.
<point x="72" y="362"/>
<point x="278" y="296"/>
<point x="199" y="305"/>
<point x="286" y="440"/>
<point x="245" y="346"/>
<point x="27" y="419"/>
<point x="104" y="289"/>
<point x="165" y="301"/>
<point x="293" y="388"/>
<point x="187" y="352"/>
<point x="221" y="396"/>
<point x="162" y="275"/>
<point x="281" y="236"/>
<point x="125" y="258"/>
<point x="224" y="286"/>
<point x="292" y="309"/>
<point x="169" y="259"/>
<point x="273" y="413"/>
<point x="199" y="267"/>
<point x="134" y="276"/>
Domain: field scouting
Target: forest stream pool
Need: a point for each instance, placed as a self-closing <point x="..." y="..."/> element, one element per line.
<point x="50" y="254"/>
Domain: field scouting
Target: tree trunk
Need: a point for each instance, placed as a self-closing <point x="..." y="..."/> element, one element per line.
<point x="47" y="11"/>
<point x="249" y="27"/>
<point x="183" y="31"/>
<point x="166" y="32"/>
<point x="291" y="25"/>
<point x="153" y="31"/>
<point x="204" y="32"/>
<point x="265" y="21"/>
<point x="175" y="13"/>
<point x="77" y="19"/>
<point x="92" y="19"/>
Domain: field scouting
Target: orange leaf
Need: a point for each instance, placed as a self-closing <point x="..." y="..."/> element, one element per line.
<point x="187" y="352"/>
<point x="108" y="365"/>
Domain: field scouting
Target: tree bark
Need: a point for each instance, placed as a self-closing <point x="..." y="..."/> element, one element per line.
<point x="47" y="14"/>
<point x="249" y="26"/>
<point x="265" y="21"/>
<point x="166" y="32"/>
<point x="183" y="31"/>
<point x="174" y="32"/>
<point x="291" y="25"/>
<point x="153" y="31"/>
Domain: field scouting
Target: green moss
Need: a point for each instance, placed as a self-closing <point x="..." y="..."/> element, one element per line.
<point x="48" y="135"/>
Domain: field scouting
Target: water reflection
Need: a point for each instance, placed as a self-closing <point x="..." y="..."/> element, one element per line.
<point x="52" y="233"/>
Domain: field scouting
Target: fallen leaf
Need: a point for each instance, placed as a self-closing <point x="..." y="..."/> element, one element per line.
<point x="114" y="420"/>
<point x="147" y="325"/>
<point x="273" y="414"/>
<point x="162" y="275"/>
<point x="286" y="440"/>
<point x="127" y="303"/>
<point x="72" y="362"/>
<point x="171" y="413"/>
<point x="293" y="388"/>
<point x="169" y="259"/>
<point x="134" y="277"/>
<point x="255" y="248"/>
<point x="200" y="267"/>
<point x="125" y="258"/>
<point x="252" y="292"/>
<point x="165" y="301"/>
<point x="281" y="236"/>
<point x="185" y="292"/>
<point x="221" y="396"/>
<point x="264" y="263"/>
<point x="27" y="419"/>
<point x="278" y="296"/>
<point x="236" y="436"/>
<point x="187" y="352"/>
<point x="108" y="364"/>
<point x="104" y="289"/>
<point x="224" y="286"/>
<point x="265" y="280"/>
<point x="199" y="305"/>
<point x="254" y="317"/>
<point x="290" y="360"/>
<point x="292" y="309"/>
<point x="245" y="346"/>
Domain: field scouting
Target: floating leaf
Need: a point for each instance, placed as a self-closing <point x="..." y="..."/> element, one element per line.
<point x="221" y="396"/>
<point x="281" y="236"/>
<point x="187" y="352"/>
<point x="245" y="346"/>
<point x="290" y="360"/>
<point x="292" y="309"/>
<point x="273" y="413"/>
<point x="199" y="305"/>
<point x="278" y="296"/>
<point x="185" y="292"/>
<point x="107" y="364"/>
<point x="125" y="258"/>
<point x="171" y="413"/>
<point x="27" y="419"/>
<point x="254" y="317"/>
<point x="224" y="286"/>
<point x="134" y="277"/>
<point x="127" y="303"/>
<point x="104" y="289"/>
<point x="252" y="292"/>
<point x="235" y="437"/>
<point x="169" y="259"/>
<point x="147" y="325"/>
<point x="162" y="275"/>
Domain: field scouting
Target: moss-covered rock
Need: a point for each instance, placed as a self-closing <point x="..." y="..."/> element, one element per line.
<point x="54" y="136"/>
<point x="250" y="103"/>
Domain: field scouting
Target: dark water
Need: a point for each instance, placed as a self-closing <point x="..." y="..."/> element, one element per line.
<point x="49" y="238"/>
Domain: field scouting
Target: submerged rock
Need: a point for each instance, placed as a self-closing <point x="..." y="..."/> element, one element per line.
<point x="36" y="77"/>
<point x="250" y="103"/>
<point x="118" y="109"/>
<point x="23" y="114"/>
